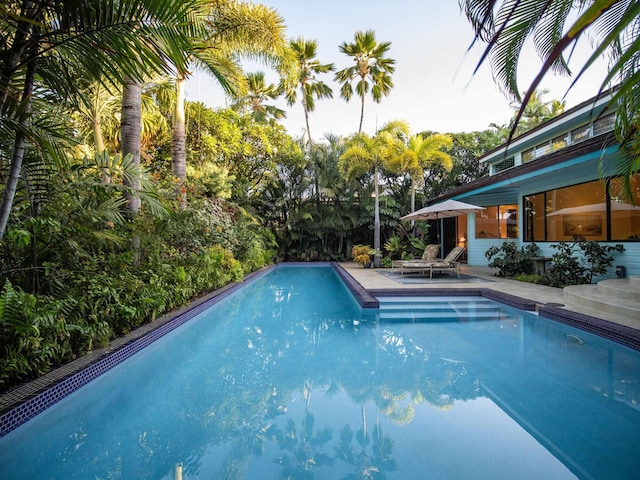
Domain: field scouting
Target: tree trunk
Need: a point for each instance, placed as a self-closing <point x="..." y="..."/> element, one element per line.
<point x="98" y="140"/>
<point x="361" y="115"/>
<point x="306" y="119"/>
<point x="179" y="137"/>
<point x="15" y="167"/>
<point x="376" y="234"/>
<point x="31" y="12"/>
<point x="130" y="136"/>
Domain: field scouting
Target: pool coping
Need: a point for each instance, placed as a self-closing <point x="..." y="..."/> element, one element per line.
<point x="28" y="400"/>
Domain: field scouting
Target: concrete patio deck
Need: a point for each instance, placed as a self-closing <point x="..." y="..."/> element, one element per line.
<point x="373" y="279"/>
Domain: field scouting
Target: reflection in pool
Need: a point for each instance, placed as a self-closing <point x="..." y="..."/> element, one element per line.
<point x="289" y="378"/>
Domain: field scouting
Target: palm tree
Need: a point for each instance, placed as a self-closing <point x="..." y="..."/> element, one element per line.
<point x="372" y="70"/>
<point x="419" y="153"/>
<point x="235" y="30"/>
<point x="51" y="41"/>
<point x="254" y="102"/>
<point x="612" y="25"/>
<point x="308" y="69"/>
<point x="365" y="155"/>
<point x="536" y="111"/>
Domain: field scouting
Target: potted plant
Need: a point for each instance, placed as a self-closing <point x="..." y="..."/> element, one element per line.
<point x="362" y="254"/>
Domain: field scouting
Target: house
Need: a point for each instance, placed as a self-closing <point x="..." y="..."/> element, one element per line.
<point x="546" y="186"/>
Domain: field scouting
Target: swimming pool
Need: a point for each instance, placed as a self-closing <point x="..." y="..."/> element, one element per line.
<point x="289" y="377"/>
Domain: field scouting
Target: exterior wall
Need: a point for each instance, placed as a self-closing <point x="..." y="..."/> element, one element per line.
<point x="476" y="247"/>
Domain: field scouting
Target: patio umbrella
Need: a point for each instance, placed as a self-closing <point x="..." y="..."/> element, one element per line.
<point x="448" y="208"/>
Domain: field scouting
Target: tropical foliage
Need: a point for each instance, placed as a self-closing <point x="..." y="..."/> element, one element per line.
<point x="122" y="201"/>
<point x="555" y="28"/>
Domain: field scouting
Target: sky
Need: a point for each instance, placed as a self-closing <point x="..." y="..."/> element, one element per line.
<point x="434" y="85"/>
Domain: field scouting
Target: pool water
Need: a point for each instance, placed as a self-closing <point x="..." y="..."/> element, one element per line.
<point x="290" y="378"/>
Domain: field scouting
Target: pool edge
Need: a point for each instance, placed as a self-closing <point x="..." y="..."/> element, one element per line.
<point x="30" y="399"/>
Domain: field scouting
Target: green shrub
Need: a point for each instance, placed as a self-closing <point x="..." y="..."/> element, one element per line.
<point x="33" y="333"/>
<point x="511" y="261"/>
<point x="578" y="261"/>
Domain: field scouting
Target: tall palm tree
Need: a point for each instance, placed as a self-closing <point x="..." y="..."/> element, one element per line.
<point x="612" y="25"/>
<point x="235" y="30"/>
<point x="364" y="155"/>
<point x="50" y="41"/>
<point x="308" y="70"/>
<point x="254" y="101"/>
<point x="371" y="72"/>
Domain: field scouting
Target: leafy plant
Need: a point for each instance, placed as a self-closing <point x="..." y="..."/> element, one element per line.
<point x="395" y="247"/>
<point x="511" y="261"/>
<point x="361" y="254"/>
<point x="578" y="261"/>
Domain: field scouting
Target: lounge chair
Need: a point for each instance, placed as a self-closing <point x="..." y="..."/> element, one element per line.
<point x="430" y="254"/>
<point x="450" y="262"/>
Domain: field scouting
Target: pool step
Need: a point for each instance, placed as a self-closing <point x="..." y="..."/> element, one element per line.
<point x="412" y="309"/>
<point x="620" y="297"/>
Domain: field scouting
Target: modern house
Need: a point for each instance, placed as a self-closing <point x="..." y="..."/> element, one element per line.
<point x="547" y="185"/>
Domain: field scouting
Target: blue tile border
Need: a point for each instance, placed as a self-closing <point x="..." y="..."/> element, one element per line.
<point x="627" y="336"/>
<point x="16" y="415"/>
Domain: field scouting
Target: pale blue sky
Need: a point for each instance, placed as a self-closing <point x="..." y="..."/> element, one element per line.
<point x="434" y="88"/>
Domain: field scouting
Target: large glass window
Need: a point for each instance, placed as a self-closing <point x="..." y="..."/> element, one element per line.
<point x="625" y="217"/>
<point x="499" y="221"/>
<point x="577" y="210"/>
<point x="590" y="210"/>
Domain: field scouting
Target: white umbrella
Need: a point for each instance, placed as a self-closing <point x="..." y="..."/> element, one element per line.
<point x="446" y="209"/>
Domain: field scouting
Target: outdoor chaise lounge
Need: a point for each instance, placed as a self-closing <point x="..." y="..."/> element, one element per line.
<point x="430" y="254"/>
<point x="450" y="262"/>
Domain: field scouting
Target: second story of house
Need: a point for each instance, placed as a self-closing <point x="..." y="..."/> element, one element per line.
<point x="583" y="122"/>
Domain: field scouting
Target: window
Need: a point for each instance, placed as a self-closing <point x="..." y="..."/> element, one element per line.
<point x="542" y="149"/>
<point x="503" y="165"/>
<point x="581" y="133"/>
<point x="593" y="210"/>
<point x="559" y="143"/>
<point x="500" y="221"/>
<point x="527" y="155"/>
<point x="604" y="124"/>
<point x="625" y="217"/>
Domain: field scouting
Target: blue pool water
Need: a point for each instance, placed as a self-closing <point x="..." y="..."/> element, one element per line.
<point x="289" y="378"/>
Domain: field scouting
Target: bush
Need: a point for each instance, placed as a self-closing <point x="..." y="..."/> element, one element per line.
<point x="33" y="333"/>
<point x="511" y="261"/>
<point x="578" y="261"/>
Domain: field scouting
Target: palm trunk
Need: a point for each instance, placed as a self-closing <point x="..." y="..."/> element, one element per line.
<point x="376" y="226"/>
<point x="413" y="202"/>
<point x="98" y="139"/>
<point x="178" y="141"/>
<point x="130" y="137"/>
<point x="31" y="12"/>
<point x="361" y="114"/>
<point x="306" y="119"/>
<point x="17" y="156"/>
